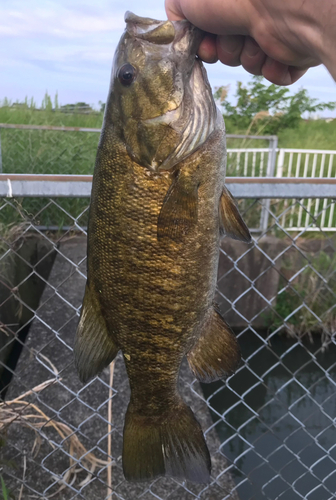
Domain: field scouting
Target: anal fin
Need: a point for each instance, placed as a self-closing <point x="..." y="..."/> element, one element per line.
<point x="216" y="353"/>
<point x="94" y="348"/>
<point x="231" y="222"/>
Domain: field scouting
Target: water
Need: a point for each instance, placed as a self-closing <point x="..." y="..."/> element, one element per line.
<point x="276" y="422"/>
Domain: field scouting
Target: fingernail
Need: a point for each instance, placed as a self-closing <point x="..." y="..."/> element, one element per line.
<point x="251" y="47"/>
<point x="229" y="44"/>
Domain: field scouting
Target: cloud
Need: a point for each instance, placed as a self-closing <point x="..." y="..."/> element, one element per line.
<point x="55" y="19"/>
<point x="68" y="46"/>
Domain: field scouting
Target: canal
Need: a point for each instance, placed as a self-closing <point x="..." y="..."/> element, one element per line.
<point x="275" y="419"/>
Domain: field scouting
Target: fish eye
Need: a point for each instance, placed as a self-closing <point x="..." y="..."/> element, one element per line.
<point x="126" y="74"/>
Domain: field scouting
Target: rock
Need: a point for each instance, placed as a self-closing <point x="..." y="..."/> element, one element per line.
<point x="248" y="280"/>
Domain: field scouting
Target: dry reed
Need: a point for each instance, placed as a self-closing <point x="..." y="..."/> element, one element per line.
<point x="19" y="411"/>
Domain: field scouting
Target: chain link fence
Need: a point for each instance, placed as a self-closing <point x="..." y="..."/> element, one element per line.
<point x="270" y="427"/>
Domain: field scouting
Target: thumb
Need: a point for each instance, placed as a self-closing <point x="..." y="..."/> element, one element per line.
<point x="220" y="17"/>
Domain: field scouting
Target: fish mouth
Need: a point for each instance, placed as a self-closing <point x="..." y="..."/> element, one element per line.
<point x="164" y="32"/>
<point x="151" y="30"/>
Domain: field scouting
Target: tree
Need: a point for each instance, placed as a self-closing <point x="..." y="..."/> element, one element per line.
<point x="267" y="108"/>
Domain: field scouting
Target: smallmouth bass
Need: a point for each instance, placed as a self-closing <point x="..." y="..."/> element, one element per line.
<point x="158" y="208"/>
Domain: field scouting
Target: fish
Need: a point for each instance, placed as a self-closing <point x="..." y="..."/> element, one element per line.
<point x="159" y="207"/>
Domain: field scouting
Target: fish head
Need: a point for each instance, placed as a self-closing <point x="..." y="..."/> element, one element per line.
<point x="160" y="102"/>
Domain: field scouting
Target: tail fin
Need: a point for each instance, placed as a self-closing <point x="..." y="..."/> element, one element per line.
<point x="171" y="444"/>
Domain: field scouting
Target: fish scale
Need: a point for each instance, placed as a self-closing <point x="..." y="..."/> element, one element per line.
<point x="155" y="220"/>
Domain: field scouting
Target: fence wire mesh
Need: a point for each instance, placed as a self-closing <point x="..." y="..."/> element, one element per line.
<point x="270" y="427"/>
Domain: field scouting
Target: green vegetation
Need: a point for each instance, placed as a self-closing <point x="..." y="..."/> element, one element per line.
<point x="313" y="134"/>
<point x="4" y="491"/>
<point x="47" y="152"/>
<point x="5" y="494"/>
<point x="50" y="113"/>
<point x="267" y="109"/>
<point x="43" y="151"/>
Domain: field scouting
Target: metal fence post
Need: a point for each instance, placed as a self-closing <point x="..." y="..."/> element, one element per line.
<point x="273" y="146"/>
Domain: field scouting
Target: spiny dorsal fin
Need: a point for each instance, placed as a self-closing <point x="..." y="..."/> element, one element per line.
<point x="231" y="222"/>
<point x="179" y="210"/>
<point x="94" y="348"/>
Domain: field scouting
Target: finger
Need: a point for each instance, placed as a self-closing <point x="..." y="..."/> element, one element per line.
<point x="252" y="57"/>
<point x="207" y="50"/>
<point x="229" y="48"/>
<point x="173" y="10"/>
<point x="296" y="73"/>
<point x="276" y="72"/>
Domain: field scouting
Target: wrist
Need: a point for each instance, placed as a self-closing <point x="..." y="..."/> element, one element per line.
<point x="326" y="48"/>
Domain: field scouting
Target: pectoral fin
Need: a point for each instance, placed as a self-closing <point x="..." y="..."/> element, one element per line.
<point x="216" y="353"/>
<point x="94" y="348"/>
<point x="231" y="222"/>
<point x="179" y="210"/>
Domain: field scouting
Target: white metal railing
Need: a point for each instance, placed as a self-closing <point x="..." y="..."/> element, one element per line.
<point x="305" y="163"/>
<point x="314" y="163"/>
<point x="289" y="163"/>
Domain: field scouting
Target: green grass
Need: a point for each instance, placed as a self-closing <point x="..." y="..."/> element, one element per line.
<point x="4" y="491"/>
<point x="315" y="287"/>
<point x="30" y="116"/>
<point x="33" y="151"/>
<point x="47" y="152"/>
<point x="315" y="134"/>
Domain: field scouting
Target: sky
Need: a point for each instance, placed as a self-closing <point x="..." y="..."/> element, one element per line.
<point x="67" y="46"/>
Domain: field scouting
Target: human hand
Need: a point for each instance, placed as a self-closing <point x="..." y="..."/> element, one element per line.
<point x="277" y="39"/>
